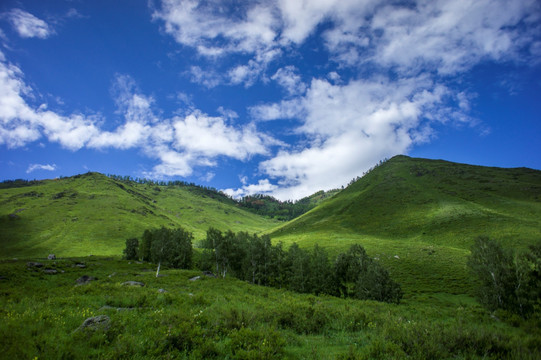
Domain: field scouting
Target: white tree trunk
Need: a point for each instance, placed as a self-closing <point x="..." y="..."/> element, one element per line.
<point x="158" y="271"/>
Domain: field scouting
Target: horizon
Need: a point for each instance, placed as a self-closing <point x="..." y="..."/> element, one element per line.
<point x="271" y="97"/>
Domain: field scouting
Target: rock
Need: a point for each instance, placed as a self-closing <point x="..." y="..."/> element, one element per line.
<point x="161" y="291"/>
<point x="195" y="278"/>
<point x="132" y="283"/>
<point x="33" y="264"/>
<point x="51" y="257"/>
<point x="80" y="265"/>
<point x="85" y="279"/>
<point x="107" y="307"/>
<point x="100" y="322"/>
<point x="396" y="257"/>
<point x="113" y="274"/>
<point x="208" y="274"/>
<point x="50" y="271"/>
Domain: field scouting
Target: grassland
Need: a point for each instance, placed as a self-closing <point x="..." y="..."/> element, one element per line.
<point x="41" y="316"/>
<point x="418" y="217"/>
<point x="94" y="214"/>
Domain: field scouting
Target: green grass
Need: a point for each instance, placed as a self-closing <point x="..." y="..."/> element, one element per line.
<point x="94" y="214"/>
<point x="217" y="318"/>
<point x="417" y="217"/>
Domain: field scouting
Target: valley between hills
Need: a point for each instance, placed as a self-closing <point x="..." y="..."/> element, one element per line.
<point x="416" y="217"/>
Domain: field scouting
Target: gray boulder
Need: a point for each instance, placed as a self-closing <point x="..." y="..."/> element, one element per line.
<point x="100" y="322"/>
<point x="133" y="283"/>
<point x="33" y="264"/>
<point x="85" y="279"/>
<point x="51" y="257"/>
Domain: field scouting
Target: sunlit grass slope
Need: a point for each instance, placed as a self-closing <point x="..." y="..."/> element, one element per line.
<point x="94" y="214"/>
<point x="419" y="217"/>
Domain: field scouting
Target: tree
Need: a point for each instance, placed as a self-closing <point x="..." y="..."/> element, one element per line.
<point x="131" y="250"/>
<point x="494" y="267"/>
<point x="171" y="247"/>
<point x="146" y="242"/>
<point x="507" y="281"/>
<point x="359" y="276"/>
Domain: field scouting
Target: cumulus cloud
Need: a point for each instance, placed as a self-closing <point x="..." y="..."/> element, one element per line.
<point x="290" y="80"/>
<point x="27" y="25"/>
<point x="34" y="167"/>
<point x="263" y="186"/>
<point x="446" y="37"/>
<point x="350" y="127"/>
<point x="179" y="144"/>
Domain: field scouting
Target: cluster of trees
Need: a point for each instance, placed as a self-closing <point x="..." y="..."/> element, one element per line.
<point x="253" y="258"/>
<point x="170" y="247"/>
<point x="508" y="280"/>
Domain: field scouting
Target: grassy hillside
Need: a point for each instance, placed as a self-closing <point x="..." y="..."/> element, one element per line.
<point x="94" y="214"/>
<point x="419" y="217"/>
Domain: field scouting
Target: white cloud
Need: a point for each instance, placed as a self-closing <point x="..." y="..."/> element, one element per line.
<point x="47" y="167"/>
<point x="290" y="80"/>
<point x="351" y="127"/>
<point x="442" y="36"/>
<point x="212" y="136"/>
<point x="179" y="144"/>
<point x="263" y="186"/>
<point x="27" y="25"/>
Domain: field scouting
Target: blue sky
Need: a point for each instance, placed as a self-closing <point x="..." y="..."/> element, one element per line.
<point x="278" y="97"/>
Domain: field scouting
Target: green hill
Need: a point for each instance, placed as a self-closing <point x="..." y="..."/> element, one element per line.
<point x="94" y="214"/>
<point x="420" y="217"/>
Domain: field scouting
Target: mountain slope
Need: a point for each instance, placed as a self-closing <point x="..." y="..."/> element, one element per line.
<point x="419" y="218"/>
<point x="433" y="200"/>
<point x="94" y="214"/>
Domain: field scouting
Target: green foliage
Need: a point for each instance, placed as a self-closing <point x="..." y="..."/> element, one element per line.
<point x="507" y="281"/>
<point x="360" y="276"/>
<point x="172" y="247"/>
<point x="132" y="249"/>
<point x="255" y="259"/>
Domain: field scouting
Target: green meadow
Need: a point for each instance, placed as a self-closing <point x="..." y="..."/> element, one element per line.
<point x="417" y="217"/>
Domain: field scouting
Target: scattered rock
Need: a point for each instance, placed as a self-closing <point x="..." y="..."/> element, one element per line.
<point x="100" y="322"/>
<point x="80" y="265"/>
<point x="50" y="271"/>
<point x="208" y="274"/>
<point x="107" y="307"/>
<point x="161" y="291"/>
<point x="195" y="278"/>
<point x="396" y="257"/>
<point x="133" y="283"/>
<point x="33" y="264"/>
<point x="85" y="279"/>
<point x="113" y="274"/>
<point x="51" y="257"/>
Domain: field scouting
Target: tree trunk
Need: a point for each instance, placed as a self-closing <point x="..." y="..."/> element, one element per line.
<point x="158" y="271"/>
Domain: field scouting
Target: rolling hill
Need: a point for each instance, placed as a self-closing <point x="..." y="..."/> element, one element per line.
<point x="94" y="214"/>
<point x="419" y="217"/>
